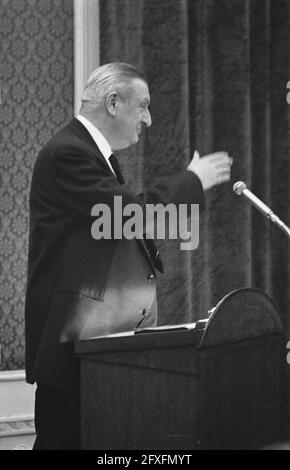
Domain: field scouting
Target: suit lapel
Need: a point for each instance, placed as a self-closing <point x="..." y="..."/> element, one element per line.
<point x="84" y="134"/>
<point x="76" y="126"/>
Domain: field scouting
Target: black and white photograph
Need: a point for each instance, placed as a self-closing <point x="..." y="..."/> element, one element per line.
<point x="144" y="227"/>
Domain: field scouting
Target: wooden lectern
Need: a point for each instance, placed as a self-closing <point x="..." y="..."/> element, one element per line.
<point x="210" y="385"/>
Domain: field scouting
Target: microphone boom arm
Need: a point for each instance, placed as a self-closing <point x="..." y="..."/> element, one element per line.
<point x="240" y="189"/>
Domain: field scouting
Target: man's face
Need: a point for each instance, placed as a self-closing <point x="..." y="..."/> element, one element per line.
<point x="133" y="114"/>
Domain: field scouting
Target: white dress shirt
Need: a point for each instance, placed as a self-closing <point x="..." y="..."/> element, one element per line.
<point x="99" y="138"/>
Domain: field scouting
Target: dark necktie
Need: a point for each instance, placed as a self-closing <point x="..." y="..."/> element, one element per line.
<point x="115" y="165"/>
<point x="153" y="252"/>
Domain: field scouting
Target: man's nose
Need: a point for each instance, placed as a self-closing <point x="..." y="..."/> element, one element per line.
<point x="147" y="118"/>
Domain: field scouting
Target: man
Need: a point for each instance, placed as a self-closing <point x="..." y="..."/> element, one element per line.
<point x="78" y="286"/>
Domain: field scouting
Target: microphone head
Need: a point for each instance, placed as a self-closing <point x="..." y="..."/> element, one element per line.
<point x="239" y="187"/>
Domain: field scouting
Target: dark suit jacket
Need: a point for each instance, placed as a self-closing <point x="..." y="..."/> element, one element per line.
<point x="77" y="286"/>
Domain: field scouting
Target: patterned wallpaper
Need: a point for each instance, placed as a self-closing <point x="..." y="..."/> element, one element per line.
<point x="36" y="80"/>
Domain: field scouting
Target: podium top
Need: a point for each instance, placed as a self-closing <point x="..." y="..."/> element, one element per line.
<point x="174" y="335"/>
<point x="242" y="314"/>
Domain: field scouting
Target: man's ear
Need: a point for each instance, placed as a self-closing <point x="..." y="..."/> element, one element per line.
<point x="111" y="102"/>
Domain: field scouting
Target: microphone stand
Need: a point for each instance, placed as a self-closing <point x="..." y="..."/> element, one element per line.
<point x="278" y="222"/>
<point x="240" y="189"/>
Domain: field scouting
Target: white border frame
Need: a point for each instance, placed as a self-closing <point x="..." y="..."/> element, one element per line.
<point x="86" y="45"/>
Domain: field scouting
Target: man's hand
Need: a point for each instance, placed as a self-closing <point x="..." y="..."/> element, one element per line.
<point x="211" y="169"/>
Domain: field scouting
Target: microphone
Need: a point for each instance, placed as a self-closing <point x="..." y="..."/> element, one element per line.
<point x="240" y="188"/>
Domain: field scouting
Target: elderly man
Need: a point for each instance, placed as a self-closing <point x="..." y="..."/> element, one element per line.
<point x="79" y="286"/>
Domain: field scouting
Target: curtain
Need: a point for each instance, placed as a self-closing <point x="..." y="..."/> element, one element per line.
<point x="218" y="73"/>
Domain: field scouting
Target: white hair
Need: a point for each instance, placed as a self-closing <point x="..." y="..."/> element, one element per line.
<point x="115" y="76"/>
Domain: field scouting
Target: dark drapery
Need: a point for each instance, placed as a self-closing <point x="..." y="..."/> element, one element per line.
<point x="218" y="71"/>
